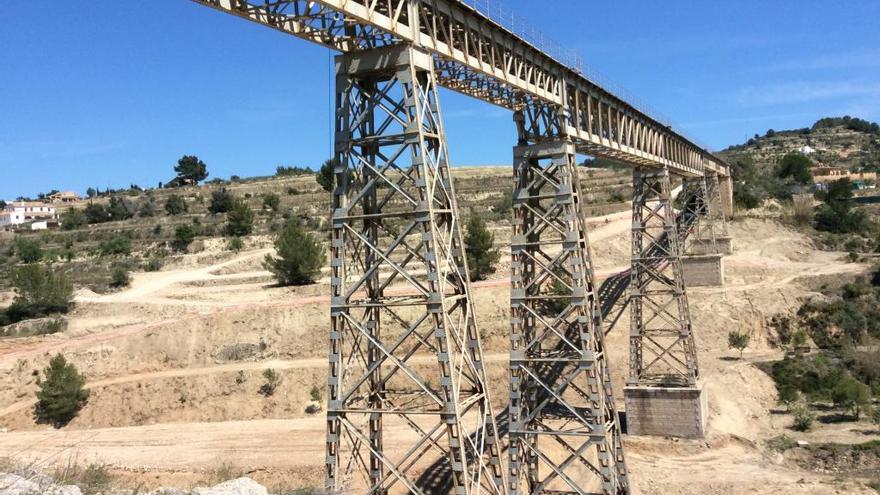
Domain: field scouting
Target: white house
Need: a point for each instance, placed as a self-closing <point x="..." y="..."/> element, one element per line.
<point x="19" y="212"/>
<point x="807" y="150"/>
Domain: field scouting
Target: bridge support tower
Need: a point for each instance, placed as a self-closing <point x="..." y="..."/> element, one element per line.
<point x="564" y="430"/>
<point x="702" y="260"/>
<point x="662" y="395"/>
<point x="405" y="355"/>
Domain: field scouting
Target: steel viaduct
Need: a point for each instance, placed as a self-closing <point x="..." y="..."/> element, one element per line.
<point x="399" y="274"/>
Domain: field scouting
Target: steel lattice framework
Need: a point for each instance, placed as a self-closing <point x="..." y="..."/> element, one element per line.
<point x="696" y="203"/>
<point x="564" y="435"/>
<point x="395" y="223"/>
<point x="478" y="57"/>
<point x="662" y="351"/>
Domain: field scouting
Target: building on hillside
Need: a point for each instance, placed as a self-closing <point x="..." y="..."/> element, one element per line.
<point x="18" y="213"/>
<point x="831" y="174"/>
<point x="64" y="197"/>
<point x="807" y="150"/>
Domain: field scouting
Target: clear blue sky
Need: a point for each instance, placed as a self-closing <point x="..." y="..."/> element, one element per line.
<point x="111" y="92"/>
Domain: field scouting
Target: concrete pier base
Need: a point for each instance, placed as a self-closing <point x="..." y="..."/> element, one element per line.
<point x="722" y="245"/>
<point x="666" y="411"/>
<point x="704" y="270"/>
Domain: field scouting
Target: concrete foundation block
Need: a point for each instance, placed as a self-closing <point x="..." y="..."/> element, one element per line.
<point x="722" y="245"/>
<point x="666" y="411"/>
<point x="704" y="270"/>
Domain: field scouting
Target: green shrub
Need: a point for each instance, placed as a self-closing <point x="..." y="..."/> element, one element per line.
<point x="28" y="250"/>
<point x="300" y="256"/>
<point x="175" y="205"/>
<point x="120" y="209"/>
<point x="505" y="204"/>
<point x="147" y="209"/>
<point x="325" y="176"/>
<point x="803" y="418"/>
<point x="851" y="394"/>
<point x="61" y="393"/>
<point x="96" y="213"/>
<point x="154" y="265"/>
<point x="479" y="248"/>
<point x="781" y="443"/>
<point x="118" y="245"/>
<point x="240" y="219"/>
<point x="119" y="277"/>
<point x="315" y="393"/>
<point x="273" y="379"/>
<point x="236" y="244"/>
<point x="271" y="201"/>
<point x="39" y="291"/>
<point x="221" y="201"/>
<point x="738" y="340"/>
<point x="183" y="237"/>
<point x="73" y="218"/>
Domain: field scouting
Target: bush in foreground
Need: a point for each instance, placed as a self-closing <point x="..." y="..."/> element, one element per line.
<point x="39" y="291"/>
<point x="61" y="393"/>
<point x="300" y="255"/>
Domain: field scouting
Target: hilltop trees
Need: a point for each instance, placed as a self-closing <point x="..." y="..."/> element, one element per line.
<point x="300" y="255"/>
<point x="62" y="393"/>
<point x="191" y="170"/>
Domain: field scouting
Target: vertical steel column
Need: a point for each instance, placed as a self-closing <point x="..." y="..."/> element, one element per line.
<point x="564" y="431"/>
<point x="405" y="354"/>
<point x="662" y="349"/>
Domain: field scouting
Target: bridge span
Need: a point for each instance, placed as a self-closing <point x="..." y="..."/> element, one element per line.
<point x="400" y="280"/>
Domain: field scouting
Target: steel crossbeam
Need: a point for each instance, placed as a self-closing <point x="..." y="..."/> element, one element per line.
<point x="564" y="436"/>
<point x="662" y="348"/>
<point x="477" y="56"/>
<point x="395" y="223"/>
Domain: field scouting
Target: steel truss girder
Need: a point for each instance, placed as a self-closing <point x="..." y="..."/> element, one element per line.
<point x="400" y="290"/>
<point x="662" y="351"/>
<point x="478" y="57"/>
<point x="564" y="432"/>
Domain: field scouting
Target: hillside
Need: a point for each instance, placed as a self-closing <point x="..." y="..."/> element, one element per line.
<point x="839" y="142"/>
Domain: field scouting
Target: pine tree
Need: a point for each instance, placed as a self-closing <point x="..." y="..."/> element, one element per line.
<point x="300" y="255"/>
<point x="61" y="394"/>
<point x="478" y="244"/>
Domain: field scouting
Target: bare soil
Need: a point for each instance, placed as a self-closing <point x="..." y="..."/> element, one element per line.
<point x="174" y="364"/>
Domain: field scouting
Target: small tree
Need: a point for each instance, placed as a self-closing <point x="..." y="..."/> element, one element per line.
<point x="96" y="213"/>
<point x="240" y="219"/>
<point x="271" y="201"/>
<point x="315" y="393"/>
<point x="236" y="244"/>
<point x="478" y="244"/>
<point x="119" y="245"/>
<point x="28" y="250"/>
<point x="191" y="169"/>
<point x="61" y="393"/>
<point x="221" y="201"/>
<point x="324" y="177"/>
<point x="803" y="418"/>
<point x="147" y="208"/>
<point x="120" y="209"/>
<point x="39" y="291"/>
<point x="273" y="379"/>
<point x="738" y="340"/>
<point x="73" y="218"/>
<point x="300" y="255"/>
<point x="795" y="166"/>
<point x="91" y="192"/>
<point x="175" y="205"/>
<point x="183" y="237"/>
<point x="851" y="394"/>
<point x="119" y="277"/>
